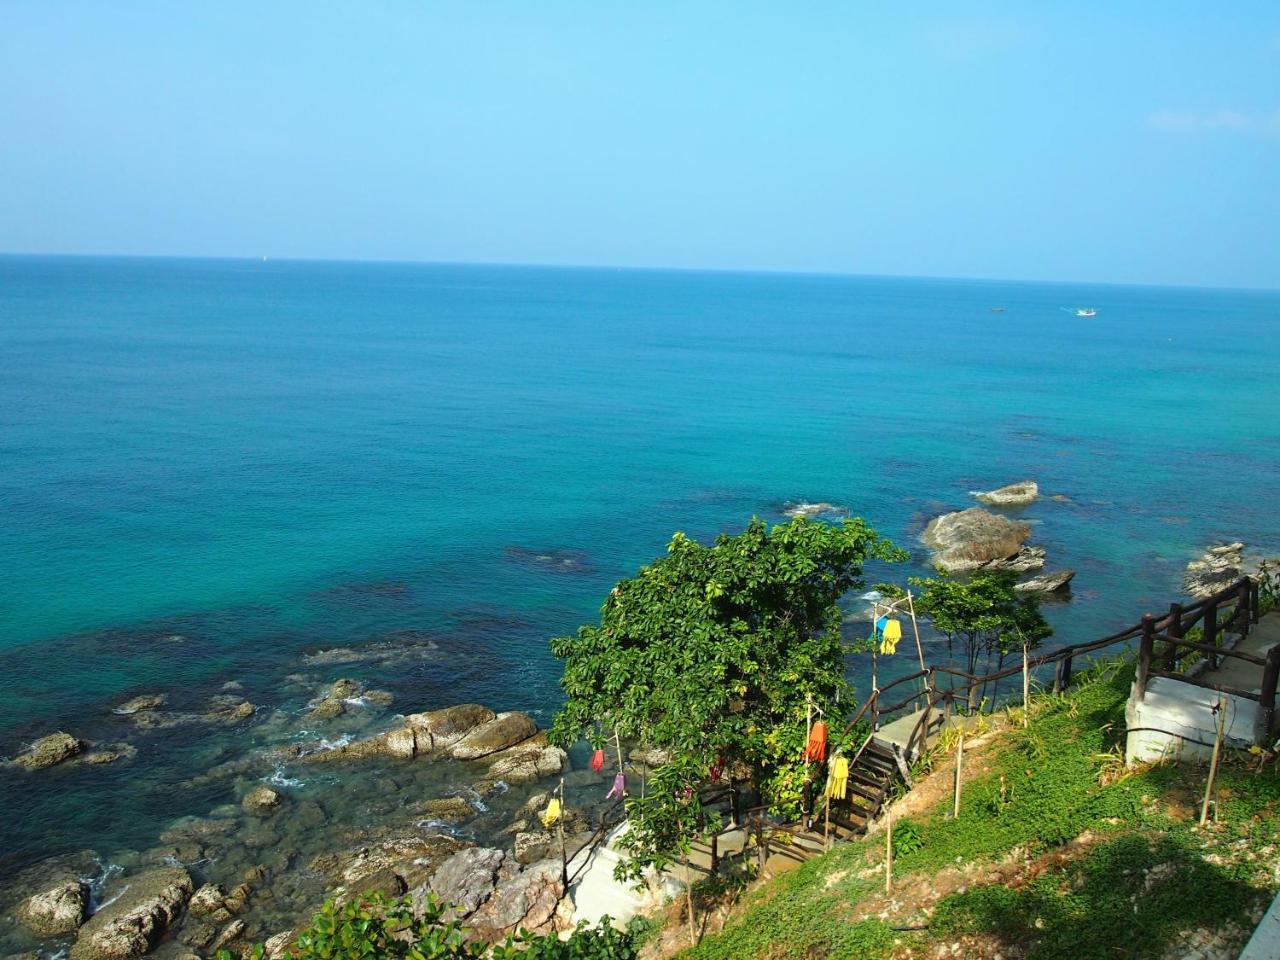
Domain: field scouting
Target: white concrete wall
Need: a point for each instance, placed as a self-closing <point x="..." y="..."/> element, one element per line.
<point x="1174" y="714"/>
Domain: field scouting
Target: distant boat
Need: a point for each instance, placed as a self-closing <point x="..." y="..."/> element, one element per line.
<point x="997" y="309"/>
<point x="1086" y="312"/>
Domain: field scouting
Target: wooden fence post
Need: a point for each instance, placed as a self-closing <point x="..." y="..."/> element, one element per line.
<point x="955" y="806"/>
<point x="1145" y="647"/>
<point x="1267" y="696"/>
<point x="1211" y="632"/>
<point x="1173" y="628"/>
<point x="1244" y="606"/>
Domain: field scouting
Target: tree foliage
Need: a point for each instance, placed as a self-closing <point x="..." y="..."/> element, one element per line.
<point x="710" y="653"/>
<point x="983" y="613"/>
<point x="377" y="928"/>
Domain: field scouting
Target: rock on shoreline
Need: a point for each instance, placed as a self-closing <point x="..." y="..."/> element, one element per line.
<point x="1012" y="495"/>
<point x="977" y="539"/>
<point x="131" y="925"/>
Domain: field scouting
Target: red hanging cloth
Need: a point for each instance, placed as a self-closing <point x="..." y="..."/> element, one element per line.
<point x="597" y="761"/>
<point x="816" y="749"/>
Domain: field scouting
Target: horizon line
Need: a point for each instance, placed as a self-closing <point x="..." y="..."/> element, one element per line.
<point x="637" y="268"/>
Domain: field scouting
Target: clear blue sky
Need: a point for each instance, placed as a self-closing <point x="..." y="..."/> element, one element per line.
<point x="1111" y="141"/>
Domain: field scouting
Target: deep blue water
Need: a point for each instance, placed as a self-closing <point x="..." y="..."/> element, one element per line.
<point x="266" y="458"/>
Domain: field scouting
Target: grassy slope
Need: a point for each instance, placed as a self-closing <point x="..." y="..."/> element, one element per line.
<point x="1057" y="853"/>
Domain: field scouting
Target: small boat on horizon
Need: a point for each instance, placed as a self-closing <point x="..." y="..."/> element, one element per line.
<point x="1086" y="312"/>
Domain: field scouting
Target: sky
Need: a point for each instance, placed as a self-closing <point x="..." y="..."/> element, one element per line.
<point x="1116" y="141"/>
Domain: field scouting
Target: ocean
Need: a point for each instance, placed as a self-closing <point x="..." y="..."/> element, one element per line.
<point x="212" y="469"/>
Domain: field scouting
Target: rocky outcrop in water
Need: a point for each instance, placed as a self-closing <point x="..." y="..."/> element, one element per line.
<point x="261" y="801"/>
<point x="148" y="701"/>
<point x="503" y="731"/>
<point x="1218" y="568"/>
<point x="132" y="923"/>
<point x="811" y="510"/>
<point x="1046" y="582"/>
<point x="421" y="734"/>
<point x="528" y="761"/>
<point x="57" y="911"/>
<point x="467" y="878"/>
<point x="977" y="539"/>
<point x="1013" y="495"/>
<point x="50" y="750"/>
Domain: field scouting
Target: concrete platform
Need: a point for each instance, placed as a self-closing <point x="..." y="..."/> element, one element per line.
<point x="1175" y="721"/>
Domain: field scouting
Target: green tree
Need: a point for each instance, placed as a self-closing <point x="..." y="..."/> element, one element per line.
<point x="713" y="653"/>
<point x="983" y="613"/>
<point x="377" y="928"/>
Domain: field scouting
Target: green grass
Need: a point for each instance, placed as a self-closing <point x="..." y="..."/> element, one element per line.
<point x="1146" y="876"/>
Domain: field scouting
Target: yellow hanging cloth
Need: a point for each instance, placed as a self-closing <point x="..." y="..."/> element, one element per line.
<point x="892" y="634"/>
<point x="552" y="813"/>
<point x="838" y="778"/>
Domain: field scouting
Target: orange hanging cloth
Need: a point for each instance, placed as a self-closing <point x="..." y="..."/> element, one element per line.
<point x="816" y="750"/>
<point x="597" y="761"/>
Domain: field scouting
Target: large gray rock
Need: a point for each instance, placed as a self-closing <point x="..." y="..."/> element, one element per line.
<point x="261" y="801"/>
<point x="467" y="879"/>
<point x="413" y="857"/>
<point x="50" y="750"/>
<point x="530" y="847"/>
<point x="421" y="734"/>
<point x="131" y="924"/>
<point x="970" y="539"/>
<point x="526" y="900"/>
<point x="503" y="731"/>
<point x="57" y="911"/>
<point x="1014" y="495"/>
<point x="1046" y="582"/>
<point x="526" y="762"/>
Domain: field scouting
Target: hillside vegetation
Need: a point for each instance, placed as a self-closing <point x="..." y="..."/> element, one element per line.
<point x="1059" y="852"/>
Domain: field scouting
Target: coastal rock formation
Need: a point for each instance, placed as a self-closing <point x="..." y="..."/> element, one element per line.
<point x="1024" y="561"/>
<point x="1013" y="495"/>
<point x="467" y="878"/>
<point x="50" y="750"/>
<point x="1046" y="582"/>
<point x="422" y="734"/>
<point x="58" y="911"/>
<point x="1217" y="569"/>
<point x="526" y="900"/>
<point x="411" y="857"/>
<point x="975" y="538"/>
<point x="261" y="801"/>
<point x="811" y="510"/>
<point x="528" y="761"/>
<point x="503" y="731"/>
<point x="557" y="561"/>
<point x="134" y="921"/>
<point x="446" y="809"/>
<point x="531" y="847"/>
<point x="148" y="701"/>
<point x="327" y="709"/>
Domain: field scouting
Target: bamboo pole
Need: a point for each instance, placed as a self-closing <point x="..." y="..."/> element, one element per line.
<point x="955" y="806"/>
<point x="688" y="889"/>
<point x="915" y="627"/>
<point x="888" y="850"/>
<point x="1213" y="763"/>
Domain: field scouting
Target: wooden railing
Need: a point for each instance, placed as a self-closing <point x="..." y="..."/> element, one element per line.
<point x="1233" y="609"/>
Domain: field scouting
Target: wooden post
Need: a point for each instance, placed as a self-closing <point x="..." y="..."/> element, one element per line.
<point x="1145" y="646"/>
<point x="955" y="806"/>
<point x="564" y="858"/>
<point x="1267" y="696"/>
<point x="911" y="606"/>
<point x="808" y="732"/>
<point x="1173" y="629"/>
<point x="972" y="700"/>
<point x="888" y="850"/>
<point x="1211" y="632"/>
<point x="1062" y="675"/>
<point x="1213" y="763"/>
<point x="715" y="851"/>
<point x="1244" y="606"/>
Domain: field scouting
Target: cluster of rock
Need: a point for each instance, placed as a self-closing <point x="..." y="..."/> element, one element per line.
<point x="510" y="743"/>
<point x="1218" y="568"/>
<point x="976" y="539"/>
<point x="341" y="695"/>
<point x="60" y="747"/>
<point x="811" y="510"/>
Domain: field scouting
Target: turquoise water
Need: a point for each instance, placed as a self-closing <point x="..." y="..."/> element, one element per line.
<point x="267" y="458"/>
